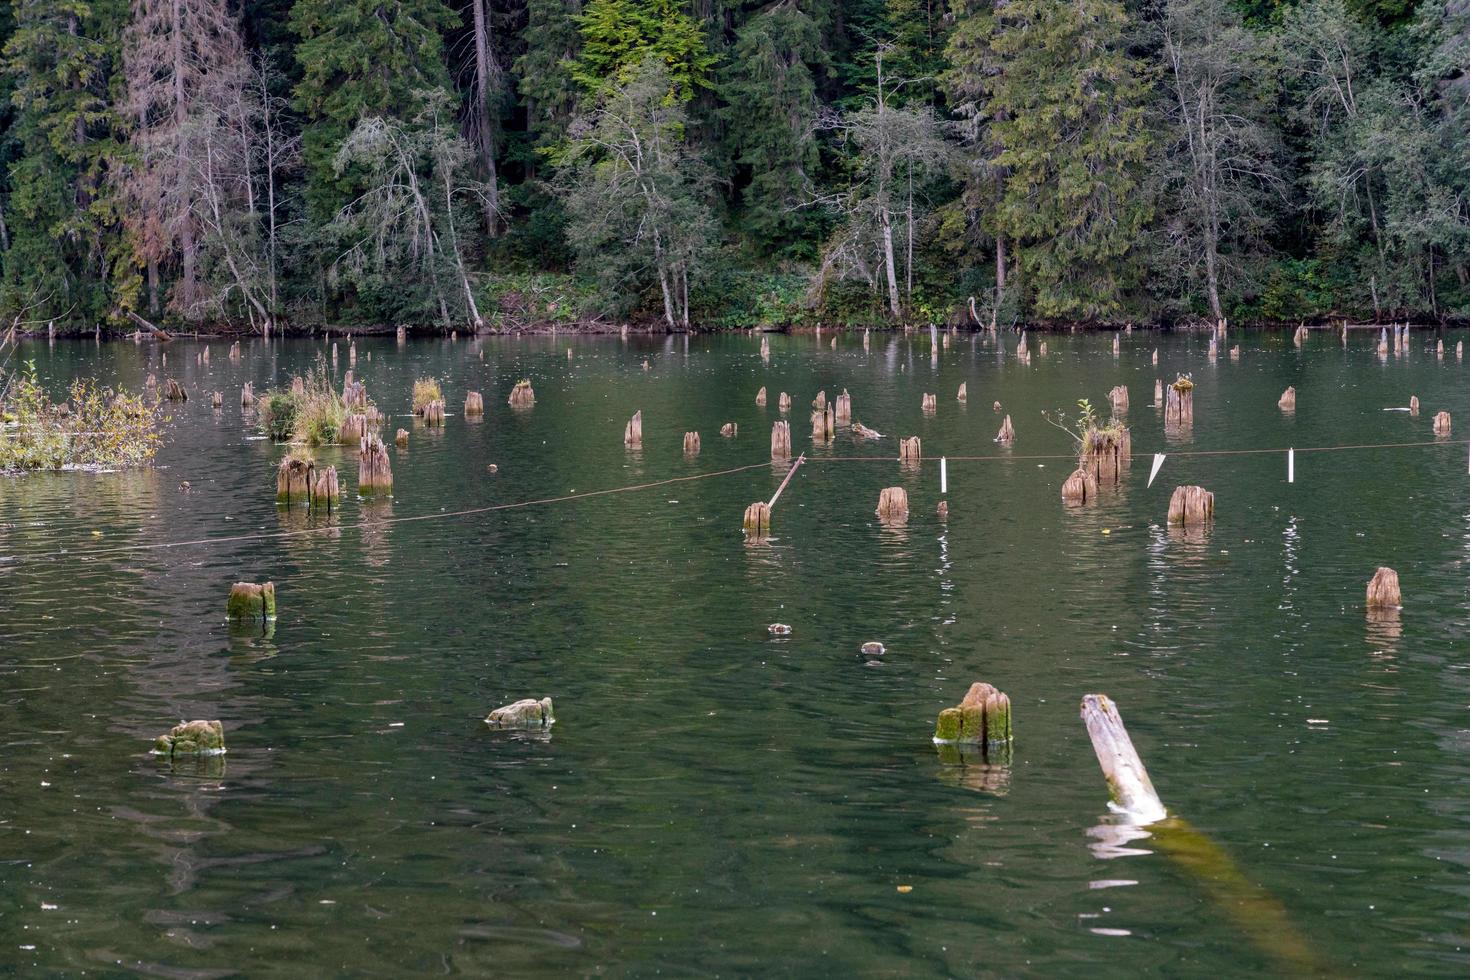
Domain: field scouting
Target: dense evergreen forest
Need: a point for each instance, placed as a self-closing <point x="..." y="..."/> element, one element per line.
<point x="515" y="163"/>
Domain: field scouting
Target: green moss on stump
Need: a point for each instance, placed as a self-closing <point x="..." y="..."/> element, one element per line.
<point x="192" y="738"/>
<point x="250" y="601"/>
<point x="526" y="713"/>
<point x="983" y="718"/>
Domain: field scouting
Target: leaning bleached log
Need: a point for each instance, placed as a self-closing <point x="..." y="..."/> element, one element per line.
<point x="691" y="444"/>
<point x="293" y="479"/>
<point x="196" y="737"/>
<point x="982" y="718"/>
<point x="1413" y="404"/>
<point x="730" y="430"/>
<point x="527" y="713"/>
<point x="929" y="404"/>
<point x="1179" y="403"/>
<point x="909" y="450"/>
<point x="1119" y="398"/>
<point x="474" y="403"/>
<point x="1131" y="790"/>
<point x="251" y="601"/>
<point x="1287" y="401"/>
<point x="217" y="400"/>
<point x="844" y="408"/>
<point x="758" y="518"/>
<point x="522" y="395"/>
<point x="964" y="393"/>
<point x="1442" y="423"/>
<point x="1007" y="434"/>
<point x="1383" y="590"/>
<point x="783" y="403"/>
<point x="1079" y="488"/>
<point x="781" y="440"/>
<point x="434" y="413"/>
<point x="326" y="490"/>
<point x="401" y="439"/>
<point x="374" y="474"/>
<point x="893" y="504"/>
<point x="174" y="392"/>
<point x="633" y="431"/>
<point x="247" y="395"/>
<point x="760" y="398"/>
<point x="1191" y="506"/>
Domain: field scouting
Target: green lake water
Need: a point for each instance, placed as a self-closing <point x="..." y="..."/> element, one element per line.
<point x="714" y="800"/>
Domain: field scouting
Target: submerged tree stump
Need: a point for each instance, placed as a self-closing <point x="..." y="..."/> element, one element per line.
<point x="1158" y="392"/>
<point x="893" y="504"/>
<point x="1079" y="488"/>
<point x="1106" y="453"/>
<point x="995" y="407"/>
<point x="196" y="737"/>
<point x="522" y="395"/>
<point x="1413" y="404"/>
<point x="1383" y="341"/>
<point x="1041" y="351"/>
<point x="730" y="430"/>
<point x="1383" y="590"/>
<point x="1156" y="357"/>
<point x="474" y="403"/>
<point x="247" y="395"/>
<point x="823" y="427"/>
<point x="401" y="439"/>
<point x="1459" y="350"/>
<point x="783" y="404"/>
<point x="401" y="335"/>
<point x="982" y="718"/>
<point x="929" y="404"/>
<point x="354" y="393"/>
<point x="1287" y="401"/>
<point x="963" y="394"/>
<point x="217" y="400"/>
<point x="1191" y="506"/>
<point x="1179" y="403"/>
<point x="174" y="392"/>
<point x="354" y="427"/>
<point x="781" y="440"/>
<point x="1118" y="396"/>
<point x="760" y="398"/>
<point x="527" y="713"/>
<point x="374" y="474"/>
<point x="434" y="413"/>
<point x="819" y="403"/>
<point x="909" y="450"/>
<point x="1007" y="434"/>
<point x="1439" y="349"/>
<point x="758" y="518"/>
<point x="235" y="351"/>
<point x="691" y="444"/>
<point x="765" y="348"/>
<point x="844" y="408"/>
<point x="1442" y="423"/>
<point x="293" y="479"/>
<point x="1214" y="350"/>
<point x="1116" y="346"/>
<point x="633" y="431"/>
<point x="251" y="601"/>
<point x="298" y="386"/>
<point x="1235" y="353"/>
<point x="1300" y="337"/>
<point x="326" y="491"/>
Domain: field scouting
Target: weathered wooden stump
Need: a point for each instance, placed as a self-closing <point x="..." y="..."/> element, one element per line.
<point x="196" y="737"/>
<point x="1079" y="488"/>
<point x="730" y="430"/>
<point x="783" y="404"/>
<point x="474" y="403"/>
<point x="982" y="719"/>
<point x="354" y="427"/>
<point x="765" y="348"/>
<point x="865" y="339"/>
<point x="1116" y="346"/>
<point x="1300" y="337"/>
<point x="1118" y="396"/>
<point x="691" y="444"/>
<point x="354" y="393"/>
<point x="823" y="426"/>
<point x="334" y="352"/>
<point x="251" y="601"/>
<point x="174" y="392"/>
<point x="1021" y="349"/>
<point x="1007" y="434"/>
<point x="1383" y="341"/>
<point x="1128" y="784"/>
<point x="633" y="431"/>
<point x="522" y="395"/>
<point x="1459" y="350"/>
<point x="929" y="404"/>
<point x="235" y="351"/>
<point x="781" y="440"/>
<point x="1235" y="353"/>
<point x="819" y="403"/>
<point x="758" y="518"/>
<point x="1214" y="350"/>
<point x="1441" y="423"/>
<point x="1105" y="453"/>
<point x="374" y="474"/>
<point x="1179" y="403"/>
<point x="401" y="335"/>
<point x="1439" y="349"/>
<point x="1383" y="590"/>
<point x="909" y="450"/>
<point x="434" y="413"/>
<point x="995" y="407"/>
<point x="293" y="478"/>
<point x="963" y="394"/>
<point x="1413" y="404"/>
<point x="1191" y="506"/>
<point x="298" y="385"/>
<point x="942" y="511"/>
<point x="893" y="504"/>
<point x="352" y="353"/>
<point x="646" y="365"/>
<point x="1158" y="392"/>
<point x="844" y="408"/>
<point x="1156" y="357"/>
<point x="401" y="439"/>
<point x="760" y="397"/>
<point x="1287" y="401"/>
<point x="1041" y="351"/>
<point x="217" y="400"/>
<point x="527" y="713"/>
<point x="247" y="395"/>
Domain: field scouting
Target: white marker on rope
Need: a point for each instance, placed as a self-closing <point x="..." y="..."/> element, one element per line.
<point x="1291" y="466"/>
<point x="1158" y="465"/>
<point x="943" y="475"/>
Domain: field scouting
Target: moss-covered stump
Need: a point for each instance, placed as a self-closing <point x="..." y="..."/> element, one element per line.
<point x="522" y="395"/>
<point x="963" y="394"/>
<point x="293" y="478"/>
<point x="192" y="738"/>
<point x="910" y="450"/>
<point x="893" y="504"/>
<point x="1079" y="488"/>
<point x="783" y="403"/>
<point x="691" y="444"/>
<point x="730" y="430"/>
<point x="374" y="474"/>
<point x="633" y="431"/>
<point x="1191" y="506"/>
<point x="843" y="412"/>
<point x="760" y="398"/>
<point x="474" y="404"/>
<point x="527" y="713"/>
<point x="757" y="518"/>
<point x="1442" y="423"/>
<point x="1287" y="401"/>
<point x="174" y="392"/>
<point x="1007" y="434"/>
<point x="1383" y="590"/>
<point x="781" y="440"/>
<point x="249" y="601"/>
<point x="326" y="490"/>
<point x="982" y="719"/>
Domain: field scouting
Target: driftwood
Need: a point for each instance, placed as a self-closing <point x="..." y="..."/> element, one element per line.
<point x="893" y="505"/>
<point x="1287" y="401"/>
<point x="293" y="479"/>
<point x="730" y="430"/>
<point x="929" y="404"/>
<point x="250" y="601"/>
<point x="633" y="431"/>
<point x="474" y="403"/>
<point x="781" y="440"/>
<point x="1383" y="590"/>
<point x="963" y="394"/>
<point x="374" y="474"/>
<point x="760" y="397"/>
<point x="910" y="450"/>
<point x="326" y="491"/>
<point x="1079" y="488"/>
<point x="247" y="395"/>
<point x="1191" y="506"/>
<point x="691" y="444"/>
<point x="982" y="719"/>
<point x="522" y="395"/>
<point x="157" y="332"/>
<point x="1007" y="434"/>
<point x="844" y="408"/>
<point x="1442" y="423"/>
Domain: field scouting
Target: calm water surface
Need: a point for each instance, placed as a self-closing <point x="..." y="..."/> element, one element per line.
<point x="712" y="800"/>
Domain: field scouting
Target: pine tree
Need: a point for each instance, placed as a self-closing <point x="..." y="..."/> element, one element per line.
<point x="618" y="36"/>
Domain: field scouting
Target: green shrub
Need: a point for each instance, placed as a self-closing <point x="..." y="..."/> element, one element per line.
<point x="94" y="427"/>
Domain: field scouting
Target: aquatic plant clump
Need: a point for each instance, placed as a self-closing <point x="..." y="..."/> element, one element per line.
<point x="312" y="412"/>
<point x="94" y="427"/>
<point x="425" y="392"/>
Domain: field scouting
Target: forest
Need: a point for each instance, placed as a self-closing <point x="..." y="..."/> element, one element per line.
<point x="518" y="164"/>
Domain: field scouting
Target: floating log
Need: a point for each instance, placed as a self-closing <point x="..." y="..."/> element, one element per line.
<point x="844" y="408"/>
<point x="1128" y="784"/>
<point x="1413" y="404"/>
<point x="760" y="398"/>
<point x="326" y="491"/>
<point x="964" y="393"/>
<point x="893" y="504"/>
<point x="401" y="439"/>
<point x="781" y="440"/>
<point x="1079" y="488"/>
<point x="527" y="713"/>
<point x="691" y="444"/>
<point x="293" y="479"/>
<point x="909" y="450"/>
<point x="1007" y="434"/>
<point x="758" y="518"/>
<point x="982" y="718"/>
<point x="474" y="403"/>
<point x="1287" y="401"/>
<point x="633" y="431"/>
<point x="1191" y="506"/>
<point x="196" y="737"/>
<point x="929" y="404"/>
<point x="174" y="392"/>
<point x="1442" y="423"/>
<point x="783" y="404"/>
<point x="374" y="474"/>
<point x="247" y="395"/>
<point x="1383" y="590"/>
<point x="1118" y="396"/>
<point x="251" y="601"/>
<point x="1179" y="402"/>
<point x="434" y="413"/>
<point x="861" y="431"/>
<point x="730" y="430"/>
<point x="217" y="400"/>
<point x="522" y="395"/>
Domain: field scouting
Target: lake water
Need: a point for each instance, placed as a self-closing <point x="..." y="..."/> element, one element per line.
<point x="714" y="800"/>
